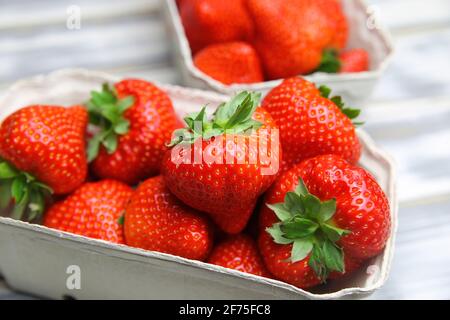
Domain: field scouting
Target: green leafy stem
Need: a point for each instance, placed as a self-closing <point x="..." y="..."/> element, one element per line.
<point x="330" y="62"/>
<point x="306" y="223"/>
<point x="29" y="194"/>
<point x="106" y="112"/>
<point x="232" y="117"/>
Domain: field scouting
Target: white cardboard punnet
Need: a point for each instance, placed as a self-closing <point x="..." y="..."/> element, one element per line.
<point x="365" y="32"/>
<point x="34" y="259"/>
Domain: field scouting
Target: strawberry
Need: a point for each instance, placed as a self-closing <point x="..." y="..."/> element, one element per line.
<point x="291" y="37"/>
<point x="134" y="121"/>
<point x="94" y="210"/>
<point x="240" y="253"/>
<point x="222" y="165"/>
<point x="156" y="220"/>
<point x="230" y="62"/>
<point x="311" y="124"/>
<point x="213" y="21"/>
<point x="336" y="16"/>
<point x="320" y="213"/>
<point x="355" y="60"/>
<point x="42" y="151"/>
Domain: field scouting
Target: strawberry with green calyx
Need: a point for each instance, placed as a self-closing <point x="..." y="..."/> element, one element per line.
<point x="134" y="120"/>
<point x="292" y="36"/>
<point x="351" y="113"/>
<point x="106" y="111"/>
<point x="311" y="123"/>
<point x="306" y="223"/>
<point x="42" y="151"/>
<point x="29" y="195"/>
<point x="322" y="219"/>
<point x="241" y="160"/>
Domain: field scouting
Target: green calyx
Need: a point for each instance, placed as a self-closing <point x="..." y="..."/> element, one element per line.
<point x="232" y="117"/>
<point x="306" y="223"/>
<point x="27" y="192"/>
<point x="337" y="100"/>
<point x="330" y="62"/>
<point x="121" y="220"/>
<point x="106" y="112"/>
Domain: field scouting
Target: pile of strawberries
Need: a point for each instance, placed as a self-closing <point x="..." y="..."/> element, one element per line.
<point x="270" y="188"/>
<point x="249" y="41"/>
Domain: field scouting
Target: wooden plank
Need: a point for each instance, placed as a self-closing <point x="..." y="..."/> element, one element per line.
<point x="403" y="16"/>
<point x="414" y="133"/>
<point x="138" y="41"/>
<point x="418" y="69"/>
<point x="30" y="13"/>
<point x="420" y="267"/>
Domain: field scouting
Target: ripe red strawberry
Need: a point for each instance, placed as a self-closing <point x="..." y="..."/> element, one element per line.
<point x="239" y="253"/>
<point x="221" y="166"/>
<point x="290" y="36"/>
<point x="310" y="124"/>
<point x="317" y="213"/>
<point x="156" y="220"/>
<point x="135" y="121"/>
<point x="42" y="150"/>
<point x="93" y="210"/>
<point x="230" y="62"/>
<point x="213" y="21"/>
<point x="355" y="60"/>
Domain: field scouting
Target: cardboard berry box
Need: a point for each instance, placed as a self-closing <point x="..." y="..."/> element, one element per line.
<point x="355" y="88"/>
<point x="42" y="261"/>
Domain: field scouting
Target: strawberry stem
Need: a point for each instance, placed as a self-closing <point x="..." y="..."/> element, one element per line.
<point x="232" y="117"/>
<point x="24" y="191"/>
<point x="330" y="62"/>
<point x="106" y="112"/>
<point x="306" y="223"/>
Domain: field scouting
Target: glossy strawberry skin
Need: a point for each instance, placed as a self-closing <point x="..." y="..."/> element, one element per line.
<point x="227" y="192"/>
<point x="240" y="253"/>
<point x="214" y="21"/>
<point x="156" y="220"/>
<point x="230" y="62"/>
<point x="362" y="208"/>
<point x="93" y="211"/>
<point x="140" y="151"/>
<point x="47" y="142"/>
<point x="290" y="38"/>
<point x="309" y="124"/>
<point x="354" y="60"/>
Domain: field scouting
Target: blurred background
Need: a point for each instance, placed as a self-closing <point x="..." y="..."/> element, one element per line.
<point x="408" y="115"/>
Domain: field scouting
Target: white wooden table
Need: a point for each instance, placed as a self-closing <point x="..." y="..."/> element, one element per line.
<point x="409" y="112"/>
